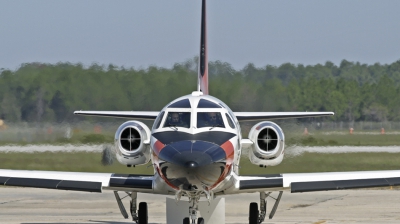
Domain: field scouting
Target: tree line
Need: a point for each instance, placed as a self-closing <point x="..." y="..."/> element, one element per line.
<point x="38" y="92"/>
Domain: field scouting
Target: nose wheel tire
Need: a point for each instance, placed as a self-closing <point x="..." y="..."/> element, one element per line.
<point x="253" y="213"/>
<point x="187" y="220"/>
<point x="142" y="213"/>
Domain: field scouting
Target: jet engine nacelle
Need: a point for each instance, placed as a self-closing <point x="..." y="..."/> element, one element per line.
<point x="132" y="143"/>
<point x="268" y="144"/>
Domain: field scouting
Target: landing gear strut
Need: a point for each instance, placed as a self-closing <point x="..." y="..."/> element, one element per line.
<point x="133" y="207"/>
<point x="193" y="209"/>
<point x="258" y="217"/>
<point x="140" y="216"/>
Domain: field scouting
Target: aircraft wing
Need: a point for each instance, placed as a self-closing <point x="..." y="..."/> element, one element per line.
<point x="307" y="182"/>
<point x="150" y="115"/>
<point x="76" y="181"/>
<point x="251" y="116"/>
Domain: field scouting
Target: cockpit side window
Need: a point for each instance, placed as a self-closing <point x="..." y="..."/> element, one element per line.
<point x="230" y="122"/>
<point x="177" y="119"/>
<point x="157" y="122"/>
<point x="209" y="119"/>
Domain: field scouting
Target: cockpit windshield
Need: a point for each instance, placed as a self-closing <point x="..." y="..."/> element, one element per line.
<point x="177" y="119"/>
<point x="209" y="119"/>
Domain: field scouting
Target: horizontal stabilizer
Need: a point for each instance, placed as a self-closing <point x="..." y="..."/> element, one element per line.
<point x="148" y="115"/>
<point x="252" y="116"/>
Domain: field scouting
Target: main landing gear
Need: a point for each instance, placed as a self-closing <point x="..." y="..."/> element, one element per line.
<point x="258" y="216"/>
<point x="140" y="216"/>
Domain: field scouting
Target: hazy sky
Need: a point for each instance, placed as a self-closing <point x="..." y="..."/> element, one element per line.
<point x="140" y="33"/>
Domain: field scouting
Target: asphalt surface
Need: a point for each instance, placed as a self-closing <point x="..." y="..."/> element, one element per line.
<point x="26" y="205"/>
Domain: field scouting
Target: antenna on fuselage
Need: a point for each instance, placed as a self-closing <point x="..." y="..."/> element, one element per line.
<point x="202" y="82"/>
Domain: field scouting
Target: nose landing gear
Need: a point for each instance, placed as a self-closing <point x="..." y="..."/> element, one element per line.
<point x="187" y="221"/>
<point x="258" y="216"/>
<point x="193" y="209"/>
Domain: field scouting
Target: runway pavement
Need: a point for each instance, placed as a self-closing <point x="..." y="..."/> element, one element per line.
<point x="32" y="206"/>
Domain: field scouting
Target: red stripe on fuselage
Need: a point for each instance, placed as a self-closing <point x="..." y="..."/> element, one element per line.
<point x="230" y="154"/>
<point x="157" y="164"/>
<point x="158" y="146"/>
<point x="229" y="151"/>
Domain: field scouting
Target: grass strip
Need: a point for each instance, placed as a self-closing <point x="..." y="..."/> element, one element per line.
<point x="344" y="140"/>
<point x="306" y="162"/>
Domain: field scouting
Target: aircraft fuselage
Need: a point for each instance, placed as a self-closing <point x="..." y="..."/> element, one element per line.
<point x="195" y="143"/>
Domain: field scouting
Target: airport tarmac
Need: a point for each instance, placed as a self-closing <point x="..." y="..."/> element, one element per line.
<point x="32" y="206"/>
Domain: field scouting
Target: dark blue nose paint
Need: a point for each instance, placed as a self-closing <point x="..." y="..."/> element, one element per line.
<point x="192" y="154"/>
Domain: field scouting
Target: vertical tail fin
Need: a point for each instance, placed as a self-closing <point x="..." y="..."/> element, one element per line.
<point x="202" y="82"/>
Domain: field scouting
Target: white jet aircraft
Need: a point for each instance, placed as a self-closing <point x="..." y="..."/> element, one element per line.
<point x="195" y="146"/>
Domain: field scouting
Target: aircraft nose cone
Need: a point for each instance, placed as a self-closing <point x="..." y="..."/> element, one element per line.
<point x="192" y="154"/>
<point x="191" y="164"/>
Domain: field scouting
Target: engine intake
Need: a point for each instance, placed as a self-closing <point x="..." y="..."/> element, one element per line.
<point x="269" y="144"/>
<point x="132" y="143"/>
<point x="130" y="139"/>
<point x="267" y="139"/>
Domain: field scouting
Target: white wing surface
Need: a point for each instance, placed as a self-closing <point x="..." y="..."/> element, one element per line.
<point x="76" y="181"/>
<point x="251" y="116"/>
<point x="150" y="115"/>
<point x="307" y="182"/>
